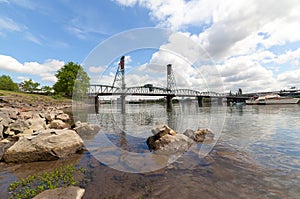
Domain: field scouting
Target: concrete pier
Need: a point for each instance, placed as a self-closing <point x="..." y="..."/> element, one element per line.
<point x="169" y="103"/>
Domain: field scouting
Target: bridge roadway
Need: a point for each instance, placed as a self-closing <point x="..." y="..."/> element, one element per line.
<point x="102" y="90"/>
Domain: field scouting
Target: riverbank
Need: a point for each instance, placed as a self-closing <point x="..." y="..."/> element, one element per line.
<point x="34" y="128"/>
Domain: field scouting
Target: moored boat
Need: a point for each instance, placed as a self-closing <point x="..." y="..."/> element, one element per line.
<point x="272" y="99"/>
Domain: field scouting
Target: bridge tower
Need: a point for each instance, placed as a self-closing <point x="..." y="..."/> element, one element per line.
<point x="171" y="86"/>
<point x="119" y="81"/>
<point x="171" y="83"/>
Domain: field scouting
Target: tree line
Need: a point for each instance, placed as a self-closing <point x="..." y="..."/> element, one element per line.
<point x="67" y="76"/>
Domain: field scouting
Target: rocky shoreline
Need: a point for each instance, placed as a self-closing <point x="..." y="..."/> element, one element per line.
<point x="35" y="129"/>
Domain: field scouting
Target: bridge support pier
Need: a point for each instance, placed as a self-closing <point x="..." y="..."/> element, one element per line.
<point x="96" y="104"/>
<point x="122" y="101"/>
<point x="220" y="100"/>
<point x="169" y="103"/>
<point x="200" y="101"/>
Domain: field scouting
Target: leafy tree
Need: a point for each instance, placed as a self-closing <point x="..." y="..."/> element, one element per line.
<point x="6" y="83"/>
<point x="67" y="79"/>
<point x="30" y="85"/>
<point x="47" y="90"/>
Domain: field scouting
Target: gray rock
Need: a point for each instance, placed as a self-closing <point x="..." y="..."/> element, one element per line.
<point x="5" y="119"/>
<point x="64" y="117"/>
<point x="4" y="145"/>
<point x="26" y="115"/>
<point x="35" y="124"/>
<point x="1" y="131"/>
<point x="48" y="145"/>
<point x="86" y="130"/>
<point x="166" y="140"/>
<point x="50" y="117"/>
<point x="58" y="124"/>
<point x="70" y="192"/>
<point x="200" y="135"/>
<point x="19" y="126"/>
<point x="13" y="115"/>
<point x="176" y="144"/>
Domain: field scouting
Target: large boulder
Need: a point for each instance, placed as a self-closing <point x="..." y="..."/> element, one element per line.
<point x="4" y="145"/>
<point x="70" y="192"/>
<point x="200" y="135"/>
<point x="47" y="145"/>
<point x="166" y="140"/>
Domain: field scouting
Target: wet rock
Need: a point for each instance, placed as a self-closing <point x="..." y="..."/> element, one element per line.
<point x="166" y="140"/>
<point x="200" y="135"/>
<point x="70" y="192"/>
<point x="162" y="129"/>
<point x="58" y="124"/>
<point x="178" y="143"/>
<point x="86" y="130"/>
<point x="48" y="145"/>
<point x="64" y="117"/>
<point x="4" y="145"/>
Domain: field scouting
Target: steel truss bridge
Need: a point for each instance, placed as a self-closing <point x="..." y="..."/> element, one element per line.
<point x="119" y="88"/>
<point x="104" y="90"/>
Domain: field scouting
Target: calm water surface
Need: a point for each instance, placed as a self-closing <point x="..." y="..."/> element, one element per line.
<point x="257" y="154"/>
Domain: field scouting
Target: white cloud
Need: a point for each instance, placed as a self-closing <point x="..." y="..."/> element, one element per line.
<point x="240" y="36"/>
<point x="8" y="24"/>
<point x="98" y="69"/>
<point x="45" y="70"/>
<point x="289" y="56"/>
<point x="32" y="38"/>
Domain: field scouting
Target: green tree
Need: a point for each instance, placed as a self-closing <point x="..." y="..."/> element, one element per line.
<point x="47" y="90"/>
<point x="6" y="83"/>
<point x="30" y="85"/>
<point x="66" y="79"/>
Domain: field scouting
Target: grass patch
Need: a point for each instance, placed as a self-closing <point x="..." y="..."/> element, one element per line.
<point x="34" y="184"/>
<point x="34" y="98"/>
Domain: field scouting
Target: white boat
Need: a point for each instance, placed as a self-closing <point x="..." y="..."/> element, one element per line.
<point x="272" y="99"/>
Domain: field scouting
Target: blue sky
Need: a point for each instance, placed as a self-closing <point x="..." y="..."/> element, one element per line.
<point x="254" y="45"/>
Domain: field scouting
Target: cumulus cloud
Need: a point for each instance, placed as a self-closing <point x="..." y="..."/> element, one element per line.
<point x="45" y="70"/>
<point x="238" y="35"/>
<point x="7" y="24"/>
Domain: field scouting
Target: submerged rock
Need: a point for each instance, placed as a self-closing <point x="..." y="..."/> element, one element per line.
<point x="47" y="145"/>
<point x="86" y="130"/>
<point x="200" y="135"/>
<point x="70" y="192"/>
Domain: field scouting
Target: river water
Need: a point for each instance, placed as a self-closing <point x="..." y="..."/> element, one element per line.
<point x="256" y="154"/>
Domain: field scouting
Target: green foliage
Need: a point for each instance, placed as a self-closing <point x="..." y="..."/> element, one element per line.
<point x="32" y="185"/>
<point x="69" y="75"/>
<point x="30" y="85"/>
<point x="47" y="90"/>
<point x="6" y="83"/>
